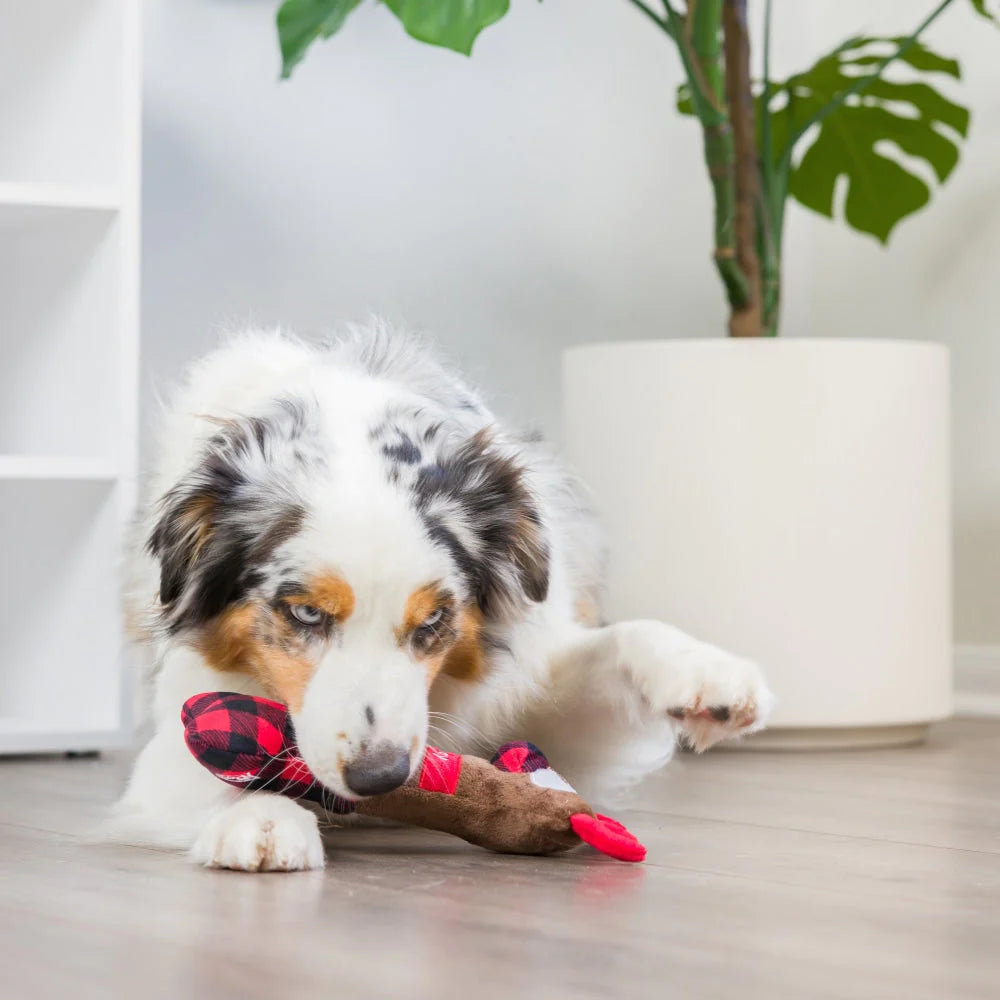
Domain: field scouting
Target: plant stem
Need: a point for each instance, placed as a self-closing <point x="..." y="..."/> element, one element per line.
<point x="768" y="204"/>
<point x="746" y="319"/>
<point x="702" y="38"/>
<point x="766" y="125"/>
<point x="699" y="96"/>
<point x="770" y="254"/>
<point x="704" y="31"/>
<point x="653" y="16"/>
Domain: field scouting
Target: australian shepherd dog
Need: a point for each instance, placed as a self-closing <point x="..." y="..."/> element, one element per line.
<point x="347" y="528"/>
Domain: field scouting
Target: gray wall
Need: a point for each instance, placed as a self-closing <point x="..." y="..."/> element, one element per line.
<point x="542" y="194"/>
<point x="510" y="204"/>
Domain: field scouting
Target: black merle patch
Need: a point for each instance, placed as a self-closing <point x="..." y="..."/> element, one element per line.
<point x="477" y="492"/>
<point x="219" y="525"/>
<point x="401" y="445"/>
<point x="403" y="450"/>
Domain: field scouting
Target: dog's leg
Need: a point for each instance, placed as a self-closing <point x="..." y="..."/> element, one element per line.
<point x="172" y="801"/>
<point x="620" y="696"/>
<point x="653" y="670"/>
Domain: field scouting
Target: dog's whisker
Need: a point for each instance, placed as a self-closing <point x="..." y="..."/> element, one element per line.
<point x="463" y="725"/>
<point x="475" y="736"/>
<point x="445" y="739"/>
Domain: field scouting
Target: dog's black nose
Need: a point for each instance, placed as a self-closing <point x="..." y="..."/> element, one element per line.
<point x="378" y="770"/>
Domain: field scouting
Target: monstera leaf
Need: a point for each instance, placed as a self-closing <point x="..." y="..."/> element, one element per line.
<point x="452" y="24"/>
<point x="301" y="22"/>
<point x="860" y="139"/>
<point x="989" y="9"/>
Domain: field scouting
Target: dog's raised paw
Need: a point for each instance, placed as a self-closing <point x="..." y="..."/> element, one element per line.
<point x="701" y="727"/>
<point x="711" y="695"/>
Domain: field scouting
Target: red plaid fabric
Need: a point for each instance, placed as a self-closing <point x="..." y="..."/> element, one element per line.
<point x="250" y="743"/>
<point x="520" y="757"/>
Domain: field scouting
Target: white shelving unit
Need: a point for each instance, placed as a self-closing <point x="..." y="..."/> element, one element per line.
<point x="69" y="330"/>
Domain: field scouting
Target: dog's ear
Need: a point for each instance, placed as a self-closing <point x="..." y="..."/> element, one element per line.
<point x="476" y="504"/>
<point x="218" y="525"/>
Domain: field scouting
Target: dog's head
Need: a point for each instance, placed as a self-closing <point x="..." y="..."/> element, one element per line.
<point x="344" y="572"/>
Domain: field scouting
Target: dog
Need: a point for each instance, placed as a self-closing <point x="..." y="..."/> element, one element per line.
<point x="346" y="528"/>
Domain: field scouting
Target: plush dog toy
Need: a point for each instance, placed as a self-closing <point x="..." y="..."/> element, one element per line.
<point x="517" y="804"/>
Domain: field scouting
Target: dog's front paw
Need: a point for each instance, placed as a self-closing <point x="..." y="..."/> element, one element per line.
<point x="709" y="693"/>
<point x="261" y="833"/>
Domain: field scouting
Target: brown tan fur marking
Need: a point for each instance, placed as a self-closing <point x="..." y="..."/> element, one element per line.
<point x="227" y="643"/>
<point x="459" y="652"/>
<point x="197" y="520"/>
<point x="254" y="640"/>
<point x="466" y="661"/>
<point x="329" y="593"/>
<point x="420" y="605"/>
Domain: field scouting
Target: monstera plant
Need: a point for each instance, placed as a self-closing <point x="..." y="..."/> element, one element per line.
<point x="765" y="140"/>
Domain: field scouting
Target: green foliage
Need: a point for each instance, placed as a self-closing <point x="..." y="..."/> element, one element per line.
<point x="989" y="9"/>
<point x="859" y="138"/>
<point x="867" y="120"/>
<point x="856" y="139"/>
<point x="451" y="24"/>
<point x="301" y="22"/>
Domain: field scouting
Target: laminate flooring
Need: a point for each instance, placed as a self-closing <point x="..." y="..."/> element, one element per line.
<point x="855" y="874"/>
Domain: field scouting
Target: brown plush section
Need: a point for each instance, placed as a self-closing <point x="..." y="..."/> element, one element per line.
<point x="490" y="808"/>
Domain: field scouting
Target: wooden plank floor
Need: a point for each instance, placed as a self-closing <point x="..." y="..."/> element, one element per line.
<point x="828" y="875"/>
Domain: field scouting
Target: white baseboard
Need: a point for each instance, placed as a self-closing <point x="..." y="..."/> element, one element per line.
<point x="977" y="680"/>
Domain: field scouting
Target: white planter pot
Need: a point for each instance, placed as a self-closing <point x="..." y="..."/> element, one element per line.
<point x="788" y="500"/>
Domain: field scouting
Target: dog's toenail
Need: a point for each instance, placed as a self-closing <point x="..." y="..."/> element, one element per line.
<point x="720" y="714"/>
<point x="676" y="713"/>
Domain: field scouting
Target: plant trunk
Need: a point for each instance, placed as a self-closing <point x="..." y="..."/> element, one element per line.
<point x="746" y="318"/>
<point x="703" y="32"/>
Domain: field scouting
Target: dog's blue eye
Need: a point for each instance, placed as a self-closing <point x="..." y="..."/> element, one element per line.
<point x="429" y="632"/>
<point x="305" y="614"/>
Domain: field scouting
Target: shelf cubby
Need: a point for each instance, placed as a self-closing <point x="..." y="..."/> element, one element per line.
<point x="60" y="331"/>
<point x="69" y="267"/>
<point x="61" y="91"/>
<point x="59" y="672"/>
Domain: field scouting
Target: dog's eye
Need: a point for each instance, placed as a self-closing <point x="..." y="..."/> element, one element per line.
<point x="432" y="630"/>
<point x="306" y="615"/>
<point x="434" y="620"/>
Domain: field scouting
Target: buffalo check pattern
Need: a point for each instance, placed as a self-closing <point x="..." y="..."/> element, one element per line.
<point x="250" y="743"/>
<point x="520" y="758"/>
